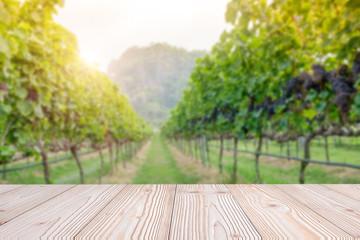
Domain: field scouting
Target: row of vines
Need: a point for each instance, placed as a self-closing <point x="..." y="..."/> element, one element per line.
<point x="288" y="69"/>
<point x="50" y="100"/>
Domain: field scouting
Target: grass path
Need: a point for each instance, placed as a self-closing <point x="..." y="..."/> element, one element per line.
<point x="160" y="166"/>
<point x="191" y="165"/>
<point x="126" y="175"/>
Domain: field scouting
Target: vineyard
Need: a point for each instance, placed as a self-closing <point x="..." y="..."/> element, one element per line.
<point x="254" y="137"/>
<point x="288" y="72"/>
<point x="279" y="92"/>
<point x="50" y="100"/>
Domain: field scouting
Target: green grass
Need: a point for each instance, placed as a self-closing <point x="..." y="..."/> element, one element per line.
<point x="160" y="166"/>
<point x="316" y="174"/>
<point x="65" y="172"/>
<point x="338" y="153"/>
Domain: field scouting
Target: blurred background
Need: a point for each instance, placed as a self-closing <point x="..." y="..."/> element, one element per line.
<point x="200" y="91"/>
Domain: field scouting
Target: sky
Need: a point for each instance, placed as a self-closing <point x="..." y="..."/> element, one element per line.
<point x="106" y="28"/>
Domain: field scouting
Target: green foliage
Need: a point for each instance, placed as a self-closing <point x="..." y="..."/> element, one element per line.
<point x="47" y="93"/>
<point x="6" y="153"/>
<point x="240" y="87"/>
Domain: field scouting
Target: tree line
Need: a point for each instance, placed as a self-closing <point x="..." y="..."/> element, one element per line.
<point x="287" y="69"/>
<point x="50" y="100"/>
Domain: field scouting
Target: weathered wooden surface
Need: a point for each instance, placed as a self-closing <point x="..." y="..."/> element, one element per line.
<point x="179" y="211"/>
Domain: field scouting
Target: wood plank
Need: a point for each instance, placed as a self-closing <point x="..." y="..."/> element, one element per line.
<point x="209" y="212"/>
<point x="180" y="212"/>
<point x="139" y="212"/>
<point x="19" y="200"/>
<point x="62" y="216"/>
<point x="344" y="200"/>
<point x="332" y="210"/>
<point x="350" y="190"/>
<point x="276" y="215"/>
<point x="7" y="188"/>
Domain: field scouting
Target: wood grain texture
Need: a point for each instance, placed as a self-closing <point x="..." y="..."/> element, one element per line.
<point x="139" y="212"/>
<point x="7" y="188"/>
<point x="180" y="211"/>
<point x="340" y="215"/>
<point x="61" y="217"/>
<point x="276" y="215"/>
<point x="344" y="200"/>
<point x="209" y="212"/>
<point x="350" y="190"/>
<point x="21" y="199"/>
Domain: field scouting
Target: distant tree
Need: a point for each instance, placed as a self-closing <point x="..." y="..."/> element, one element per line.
<point x="153" y="78"/>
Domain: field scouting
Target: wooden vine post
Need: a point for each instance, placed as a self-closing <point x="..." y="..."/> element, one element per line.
<point x="203" y="153"/>
<point x="221" y="153"/>
<point x="74" y="152"/>
<point x="257" y="157"/>
<point x="234" y="176"/>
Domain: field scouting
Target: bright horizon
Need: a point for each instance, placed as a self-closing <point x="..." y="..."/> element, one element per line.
<point x="106" y="28"/>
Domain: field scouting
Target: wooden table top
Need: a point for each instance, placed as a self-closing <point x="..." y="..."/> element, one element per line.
<point x="179" y="211"/>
